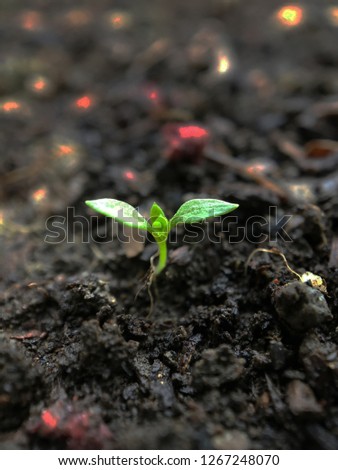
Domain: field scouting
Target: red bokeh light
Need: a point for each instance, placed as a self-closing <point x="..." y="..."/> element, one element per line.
<point x="117" y="20"/>
<point x="129" y="175"/>
<point x="184" y="142"/>
<point x="84" y="102"/>
<point x="192" y="132"/>
<point x="153" y="95"/>
<point x="39" y="85"/>
<point x="49" y="419"/>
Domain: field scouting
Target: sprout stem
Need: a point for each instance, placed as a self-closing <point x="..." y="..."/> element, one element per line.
<point x="162" y="262"/>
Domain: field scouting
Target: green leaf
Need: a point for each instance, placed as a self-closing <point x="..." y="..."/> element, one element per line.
<point x="155" y="211"/>
<point x="120" y="211"/>
<point x="159" y="223"/>
<point x="160" y="228"/>
<point x="198" y="210"/>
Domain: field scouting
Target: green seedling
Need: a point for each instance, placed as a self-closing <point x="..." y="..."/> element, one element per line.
<point x="193" y="211"/>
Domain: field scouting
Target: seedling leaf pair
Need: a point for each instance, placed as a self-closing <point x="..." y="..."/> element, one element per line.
<point x="193" y="211"/>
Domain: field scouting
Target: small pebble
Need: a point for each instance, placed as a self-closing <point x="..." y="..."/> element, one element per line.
<point x="231" y="440"/>
<point x="217" y="367"/>
<point x="301" y="399"/>
<point x="301" y="307"/>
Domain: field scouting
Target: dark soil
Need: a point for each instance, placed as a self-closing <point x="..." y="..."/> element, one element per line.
<point x="236" y="355"/>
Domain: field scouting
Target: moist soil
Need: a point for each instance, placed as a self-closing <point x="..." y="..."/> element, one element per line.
<point x="239" y="351"/>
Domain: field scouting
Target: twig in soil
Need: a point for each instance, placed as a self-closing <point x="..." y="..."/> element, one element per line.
<point x="289" y="148"/>
<point x="316" y="281"/>
<point x="241" y="168"/>
<point x="23" y="174"/>
<point x="333" y="261"/>
<point x="10" y="228"/>
<point x="98" y="256"/>
<point x="323" y="109"/>
<point x="276" y="396"/>
<point x="149" y="281"/>
<point x="300" y="157"/>
<point x="273" y="251"/>
<point x="34" y="334"/>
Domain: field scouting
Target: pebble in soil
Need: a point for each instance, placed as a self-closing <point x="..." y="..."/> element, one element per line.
<point x="300" y="306"/>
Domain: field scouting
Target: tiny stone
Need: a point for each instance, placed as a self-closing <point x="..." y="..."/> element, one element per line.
<point x="301" y="399"/>
<point x="217" y="367"/>
<point x="231" y="440"/>
<point x="300" y="306"/>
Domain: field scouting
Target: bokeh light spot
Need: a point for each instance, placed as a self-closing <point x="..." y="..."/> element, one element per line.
<point x="129" y="175"/>
<point x="256" y="168"/>
<point x="290" y="15"/>
<point x="118" y="20"/>
<point x="153" y="95"/>
<point x="333" y="15"/>
<point x="84" y="102"/>
<point x="223" y="64"/>
<point x="39" y="195"/>
<point x="192" y="132"/>
<point x="9" y="106"/>
<point x="64" y="150"/>
<point x="39" y="85"/>
<point x="49" y="419"/>
<point x="31" y="20"/>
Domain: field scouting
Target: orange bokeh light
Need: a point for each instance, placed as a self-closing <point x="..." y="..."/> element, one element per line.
<point x="333" y="15"/>
<point x="9" y="106"/>
<point x="2" y="219"/>
<point x="290" y="15"/>
<point x="117" y="20"/>
<point x="31" y="20"/>
<point x="64" y="149"/>
<point x="39" y="195"/>
<point x="256" y="168"/>
<point x="84" y="102"/>
<point x="39" y="85"/>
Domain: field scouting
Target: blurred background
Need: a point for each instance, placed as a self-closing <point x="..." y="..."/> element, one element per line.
<point x="100" y="98"/>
